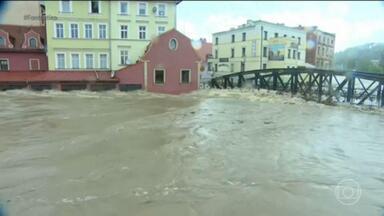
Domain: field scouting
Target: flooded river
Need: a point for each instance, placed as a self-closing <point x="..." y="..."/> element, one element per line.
<point x="209" y="153"/>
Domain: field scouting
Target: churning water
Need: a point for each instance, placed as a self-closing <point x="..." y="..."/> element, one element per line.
<point x="208" y="153"/>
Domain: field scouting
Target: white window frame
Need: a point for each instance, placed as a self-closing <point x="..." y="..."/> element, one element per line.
<point x="90" y="7"/>
<point x="165" y="29"/>
<point x="9" y="66"/>
<point x="158" y="11"/>
<point x="29" y="42"/>
<point x="177" y="44"/>
<point x="93" y="60"/>
<point x="71" y="62"/>
<point x="146" y="8"/>
<point x="146" y="32"/>
<point x="57" y="60"/>
<point x="121" y="30"/>
<point x="120" y="12"/>
<point x="70" y="30"/>
<point x="55" y="29"/>
<point x="164" y="76"/>
<point x="124" y="55"/>
<point x="189" y="76"/>
<point x="99" y="65"/>
<point x="85" y="30"/>
<point x="106" y="30"/>
<point x="61" y="7"/>
<point x="30" y="63"/>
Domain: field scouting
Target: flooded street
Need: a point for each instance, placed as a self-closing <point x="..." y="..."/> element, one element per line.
<point x="208" y="153"/>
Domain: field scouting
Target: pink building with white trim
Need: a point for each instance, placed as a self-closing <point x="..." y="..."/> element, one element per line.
<point x="170" y="65"/>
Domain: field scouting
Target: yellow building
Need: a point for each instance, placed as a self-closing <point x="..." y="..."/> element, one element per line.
<point x="258" y="45"/>
<point x="103" y="35"/>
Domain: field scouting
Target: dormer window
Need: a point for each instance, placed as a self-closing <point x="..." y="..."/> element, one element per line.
<point x="32" y="43"/>
<point x="2" y="41"/>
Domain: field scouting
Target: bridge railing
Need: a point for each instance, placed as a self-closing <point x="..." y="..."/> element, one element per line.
<point x="355" y="87"/>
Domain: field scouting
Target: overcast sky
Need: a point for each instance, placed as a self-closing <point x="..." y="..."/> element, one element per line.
<point x="354" y="23"/>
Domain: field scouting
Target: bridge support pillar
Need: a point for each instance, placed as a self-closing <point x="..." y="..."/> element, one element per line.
<point x="351" y="88"/>
<point x="320" y="87"/>
<point x="274" y="74"/>
<point x="256" y="81"/>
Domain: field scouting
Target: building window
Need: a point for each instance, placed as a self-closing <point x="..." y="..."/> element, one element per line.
<point x="32" y="42"/>
<point x="322" y="51"/>
<point x="102" y="31"/>
<point x="103" y="61"/>
<point x="216" y="41"/>
<point x="299" y="40"/>
<point x="88" y="31"/>
<point x="294" y="54"/>
<point x="95" y="7"/>
<point x="318" y="50"/>
<point x="124" y="60"/>
<point x="124" y="7"/>
<point x="216" y="54"/>
<point x="233" y="38"/>
<point x="173" y="44"/>
<point x="243" y="52"/>
<point x="160" y="30"/>
<point x="34" y="64"/>
<point x="142" y="32"/>
<point x="254" y="48"/>
<point x="124" y="31"/>
<point x="142" y="9"/>
<point x="2" y="42"/>
<point x="244" y="36"/>
<point x="233" y="53"/>
<point x="89" y="61"/>
<point x="4" y="64"/>
<point x="265" y="35"/>
<point x="242" y="66"/>
<point x="59" y="30"/>
<point x="159" y="76"/>
<point x="298" y="55"/>
<point x="185" y="76"/>
<point x="276" y="35"/>
<point x="332" y="42"/>
<point x="161" y="10"/>
<point x="75" y="61"/>
<point x="264" y="66"/>
<point x="74" y="30"/>
<point x="319" y="38"/>
<point x="60" y="60"/>
<point x="265" y="52"/>
<point x="216" y="68"/>
<point x="65" y="6"/>
<point x="232" y="67"/>
<point x="289" y="53"/>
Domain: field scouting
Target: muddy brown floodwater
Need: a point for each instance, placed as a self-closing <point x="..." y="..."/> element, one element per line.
<point x="213" y="152"/>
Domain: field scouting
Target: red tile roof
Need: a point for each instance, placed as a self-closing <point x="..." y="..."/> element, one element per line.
<point x="206" y="49"/>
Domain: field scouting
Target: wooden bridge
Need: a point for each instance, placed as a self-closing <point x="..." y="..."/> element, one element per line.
<point x="326" y="86"/>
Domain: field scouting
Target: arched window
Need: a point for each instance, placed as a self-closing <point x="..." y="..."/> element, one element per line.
<point x="32" y="43"/>
<point x="2" y="41"/>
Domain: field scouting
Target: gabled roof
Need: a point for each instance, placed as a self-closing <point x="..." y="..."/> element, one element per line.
<point x="16" y="34"/>
<point x="165" y="34"/>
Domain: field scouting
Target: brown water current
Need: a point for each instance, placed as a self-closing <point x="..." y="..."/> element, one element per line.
<point x="208" y="153"/>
